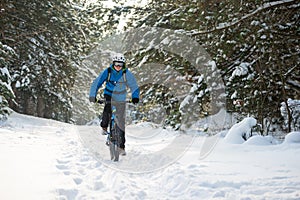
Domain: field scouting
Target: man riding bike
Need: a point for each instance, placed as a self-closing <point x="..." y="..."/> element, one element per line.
<point x="117" y="78"/>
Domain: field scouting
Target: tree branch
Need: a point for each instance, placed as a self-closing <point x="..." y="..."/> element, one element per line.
<point x="265" y="6"/>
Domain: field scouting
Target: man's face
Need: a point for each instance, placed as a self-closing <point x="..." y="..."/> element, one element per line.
<point x="118" y="66"/>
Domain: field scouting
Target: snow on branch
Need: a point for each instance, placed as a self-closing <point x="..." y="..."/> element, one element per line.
<point x="259" y="9"/>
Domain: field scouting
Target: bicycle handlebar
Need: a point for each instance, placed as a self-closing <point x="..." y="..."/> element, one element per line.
<point x="104" y="101"/>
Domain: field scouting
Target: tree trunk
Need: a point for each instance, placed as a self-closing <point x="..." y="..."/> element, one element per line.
<point x="289" y="115"/>
<point x="40" y="107"/>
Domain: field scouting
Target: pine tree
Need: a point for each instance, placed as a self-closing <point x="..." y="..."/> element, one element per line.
<point x="6" y="92"/>
<point x="253" y="43"/>
<point x="43" y="37"/>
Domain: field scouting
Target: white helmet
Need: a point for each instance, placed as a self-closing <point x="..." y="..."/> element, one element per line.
<point x="119" y="58"/>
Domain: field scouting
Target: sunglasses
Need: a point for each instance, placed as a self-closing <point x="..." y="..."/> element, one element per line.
<point x="119" y="64"/>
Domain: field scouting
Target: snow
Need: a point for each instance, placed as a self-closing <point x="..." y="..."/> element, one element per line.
<point x="293" y="137"/>
<point x="5" y="72"/>
<point x="258" y="140"/>
<point x="240" y="70"/>
<point x="240" y="131"/>
<point x="45" y="159"/>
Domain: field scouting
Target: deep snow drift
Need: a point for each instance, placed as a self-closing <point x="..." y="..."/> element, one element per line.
<point x="45" y="159"/>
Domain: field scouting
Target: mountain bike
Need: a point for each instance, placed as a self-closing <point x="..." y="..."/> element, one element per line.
<point x="113" y="136"/>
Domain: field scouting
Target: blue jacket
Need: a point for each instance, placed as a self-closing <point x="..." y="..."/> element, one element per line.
<point x="116" y="86"/>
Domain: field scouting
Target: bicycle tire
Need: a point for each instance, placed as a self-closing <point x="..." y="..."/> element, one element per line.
<point x="114" y="139"/>
<point x="111" y="150"/>
<point x="114" y="143"/>
<point x="116" y="151"/>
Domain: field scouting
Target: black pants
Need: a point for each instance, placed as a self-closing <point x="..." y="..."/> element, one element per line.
<point x="119" y="117"/>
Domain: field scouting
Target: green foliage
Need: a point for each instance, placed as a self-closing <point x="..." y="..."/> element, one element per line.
<point x="255" y="45"/>
<point x="39" y="33"/>
<point x="6" y="93"/>
<point x="49" y="38"/>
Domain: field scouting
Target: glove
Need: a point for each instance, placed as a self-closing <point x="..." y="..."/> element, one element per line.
<point x="93" y="99"/>
<point x="135" y="100"/>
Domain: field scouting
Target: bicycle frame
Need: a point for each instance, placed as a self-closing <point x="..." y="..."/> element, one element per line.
<point x="113" y="137"/>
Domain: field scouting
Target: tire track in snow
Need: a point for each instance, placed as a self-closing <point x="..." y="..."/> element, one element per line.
<point x="154" y="153"/>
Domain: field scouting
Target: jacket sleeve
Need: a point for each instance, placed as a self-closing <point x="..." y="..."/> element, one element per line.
<point x="97" y="83"/>
<point x="132" y="84"/>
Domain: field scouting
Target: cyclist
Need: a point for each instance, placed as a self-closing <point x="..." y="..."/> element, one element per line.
<point x="117" y="78"/>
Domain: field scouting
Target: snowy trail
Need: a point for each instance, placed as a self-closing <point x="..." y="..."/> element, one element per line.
<point x="145" y="145"/>
<point x="44" y="159"/>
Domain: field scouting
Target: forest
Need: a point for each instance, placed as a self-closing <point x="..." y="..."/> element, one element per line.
<point x="234" y="54"/>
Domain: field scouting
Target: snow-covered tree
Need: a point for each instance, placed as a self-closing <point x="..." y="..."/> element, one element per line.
<point x="254" y="46"/>
<point x="6" y="92"/>
<point x="290" y="111"/>
<point x="42" y="74"/>
<point x="49" y="38"/>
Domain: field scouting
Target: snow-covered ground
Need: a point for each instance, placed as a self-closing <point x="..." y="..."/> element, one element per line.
<point x="45" y="159"/>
